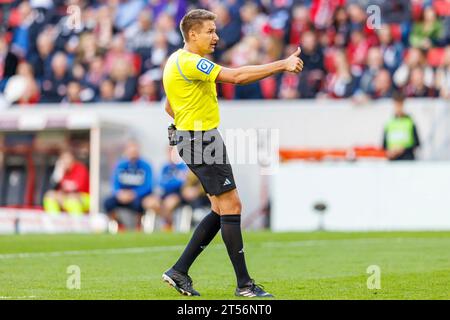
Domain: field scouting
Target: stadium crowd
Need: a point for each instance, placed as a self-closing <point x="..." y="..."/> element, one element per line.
<point x="116" y="50"/>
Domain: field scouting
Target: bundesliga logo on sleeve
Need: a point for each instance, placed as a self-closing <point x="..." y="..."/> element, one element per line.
<point x="205" y="66"/>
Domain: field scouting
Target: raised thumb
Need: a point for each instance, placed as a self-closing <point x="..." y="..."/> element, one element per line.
<point x="297" y="52"/>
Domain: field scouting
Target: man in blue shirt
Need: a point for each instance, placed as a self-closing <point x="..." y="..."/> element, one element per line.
<point x="132" y="180"/>
<point x="172" y="178"/>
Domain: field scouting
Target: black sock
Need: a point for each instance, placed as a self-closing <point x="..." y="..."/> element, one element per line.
<point x="232" y="236"/>
<point x="202" y="236"/>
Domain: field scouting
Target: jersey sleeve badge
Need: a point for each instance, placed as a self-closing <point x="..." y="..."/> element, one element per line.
<point x="205" y="66"/>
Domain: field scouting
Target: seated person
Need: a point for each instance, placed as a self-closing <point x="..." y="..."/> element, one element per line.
<point x="132" y="180"/>
<point x="172" y="178"/>
<point x="193" y="193"/>
<point x="70" y="187"/>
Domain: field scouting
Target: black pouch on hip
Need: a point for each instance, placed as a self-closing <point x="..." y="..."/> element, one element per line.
<point x="172" y="132"/>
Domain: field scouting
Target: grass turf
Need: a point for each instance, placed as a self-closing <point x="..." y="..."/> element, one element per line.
<point x="325" y="265"/>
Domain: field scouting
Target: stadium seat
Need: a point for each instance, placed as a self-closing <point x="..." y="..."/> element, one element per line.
<point x="435" y="57"/>
<point x="442" y="8"/>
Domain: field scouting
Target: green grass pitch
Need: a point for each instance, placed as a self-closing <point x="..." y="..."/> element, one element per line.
<point x="292" y="266"/>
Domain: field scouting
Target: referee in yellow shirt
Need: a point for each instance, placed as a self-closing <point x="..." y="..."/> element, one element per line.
<point x="190" y="83"/>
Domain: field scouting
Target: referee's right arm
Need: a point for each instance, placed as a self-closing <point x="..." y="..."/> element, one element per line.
<point x="249" y="74"/>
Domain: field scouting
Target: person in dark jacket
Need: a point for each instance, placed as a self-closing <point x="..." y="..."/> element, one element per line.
<point x="132" y="181"/>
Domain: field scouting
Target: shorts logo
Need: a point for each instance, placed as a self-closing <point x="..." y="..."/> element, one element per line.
<point x="227" y="182"/>
<point x="205" y="66"/>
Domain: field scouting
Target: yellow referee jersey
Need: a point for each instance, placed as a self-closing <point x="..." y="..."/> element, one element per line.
<point x="189" y="82"/>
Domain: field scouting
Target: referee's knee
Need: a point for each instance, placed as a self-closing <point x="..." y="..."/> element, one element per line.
<point x="232" y="206"/>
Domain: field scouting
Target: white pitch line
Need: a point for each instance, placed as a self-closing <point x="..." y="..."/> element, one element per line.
<point x="19" y="298"/>
<point x="136" y="250"/>
<point x="88" y="252"/>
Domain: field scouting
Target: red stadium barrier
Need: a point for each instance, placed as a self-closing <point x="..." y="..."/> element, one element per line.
<point x="337" y="154"/>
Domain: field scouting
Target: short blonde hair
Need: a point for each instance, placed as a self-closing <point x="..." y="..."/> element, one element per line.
<point x="194" y="19"/>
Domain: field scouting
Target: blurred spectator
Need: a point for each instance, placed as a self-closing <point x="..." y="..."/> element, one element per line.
<point x="382" y="85"/>
<point x="374" y="65"/>
<point x="322" y="12"/>
<point x="395" y="11"/>
<point x="341" y="83"/>
<point x="70" y="187"/>
<point x="228" y="28"/>
<point x="107" y="91"/>
<point x="5" y="6"/>
<point x="175" y="8"/>
<point x="118" y="54"/>
<point x="443" y="76"/>
<point x="279" y="18"/>
<point x="73" y="95"/>
<point x="87" y="92"/>
<point x="41" y="60"/>
<point x="358" y="21"/>
<point x="367" y="82"/>
<point x="31" y="94"/>
<point x="140" y="37"/>
<point x="300" y="24"/>
<point x="95" y="73"/>
<point x="159" y="52"/>
<point x="172" y="177"/>
<point x="357" y="50"/>
<point x="416" y="87"/>
<point x="125" y="83"/>
<point x="147" y="89"/>
<point x="54" y="84"/>
<point x="127" y="12"/>
<point x="88" y="49"/>
<point x="8" y="62"/>
<point x="132" y="181"/>
<point x="313" y="74"/>
<point x="21" y="38"/>
<point x="427" y="32"/>
<point x="104" y="26"/>
<point x="392" y="50"/>
<point x="192" y="192"/>
<point x="78" y="73"/>
<point x="253" y="21"/>
<point x="414" y="58"/>
<point x="272" y="49"/>
<point x="246" y="52"/>
<point x="400" y="138"/>
<point x="340" y="29"/>
<point x="442" y="8"/>
<point x="165" y="24"/>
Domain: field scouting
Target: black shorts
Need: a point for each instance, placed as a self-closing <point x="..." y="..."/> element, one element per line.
<point x="205" y="154"/>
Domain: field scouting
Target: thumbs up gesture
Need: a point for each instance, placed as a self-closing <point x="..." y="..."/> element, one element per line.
<point x="293" y="63"/>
